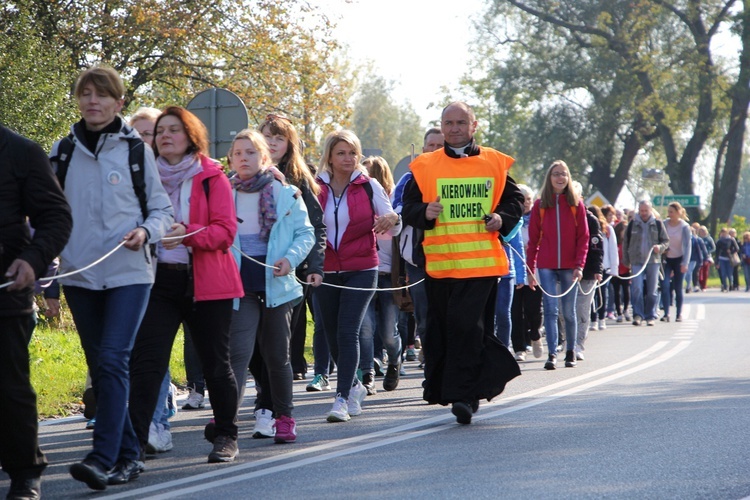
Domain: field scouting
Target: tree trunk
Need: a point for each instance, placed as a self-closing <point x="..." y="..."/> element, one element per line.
<point x="736" y="135"/>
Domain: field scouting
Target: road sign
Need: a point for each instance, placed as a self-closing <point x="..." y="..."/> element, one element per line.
<point x="223" y="113"/>
<point x="597" y="199"/>
<point x="686" y="200"/>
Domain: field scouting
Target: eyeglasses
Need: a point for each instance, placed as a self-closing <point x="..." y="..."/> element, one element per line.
<point x="559" y="174"/>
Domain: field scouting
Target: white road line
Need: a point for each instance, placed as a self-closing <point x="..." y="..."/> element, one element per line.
<point x="415" y="434"/>
<point x="380" y="438"/>
<point x="701" y="315"/>
<point x="686" y="309"/>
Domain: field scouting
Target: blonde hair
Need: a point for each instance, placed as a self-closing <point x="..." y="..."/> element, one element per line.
<point x="526" y="190"/>
<point x="548" y="191"/>
<point x="334" y="138"/>
<point x="258" y="142"/>
<point x="144" y="113"/>
<point x="680" y="210"/>
<point x="378" y="169"/>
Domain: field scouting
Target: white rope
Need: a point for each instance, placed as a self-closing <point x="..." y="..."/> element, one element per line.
<point x="169" y="238"/>
<point x="50" y="278"/>
<point x="369" y="289"/>
<point x="593" y="287"/>
<point x="598" y="285"/>
<point x="99" y="261"/>
<point x="328" y="284"/>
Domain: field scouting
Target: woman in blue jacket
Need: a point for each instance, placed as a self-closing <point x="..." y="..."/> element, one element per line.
<point x="273" y="229"/>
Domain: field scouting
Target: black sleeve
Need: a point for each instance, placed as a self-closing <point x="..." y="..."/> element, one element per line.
<point x="595" y="256"/>
<point x="315" y="212"/>
<point x="510" y="207"/>
<point x="45" y="204"/>
<point x="413" y="210"/>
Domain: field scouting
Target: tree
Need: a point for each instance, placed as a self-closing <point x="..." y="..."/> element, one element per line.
<point x="278" y="56"/>
<point x="383" y="124"/>
<point x="663" y="51"/>
<point x="33" y="103"/>
<point x="734" y="140"/>
<point x="542" y="83"/>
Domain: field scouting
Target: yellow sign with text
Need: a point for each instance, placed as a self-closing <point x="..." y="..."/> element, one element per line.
<point x="465" y="199"/>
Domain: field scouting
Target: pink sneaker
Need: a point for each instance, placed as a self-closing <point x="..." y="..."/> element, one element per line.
<point x="286" y="430"/>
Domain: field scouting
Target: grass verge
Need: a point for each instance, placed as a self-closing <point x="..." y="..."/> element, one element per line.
<point x="58" y="365"/>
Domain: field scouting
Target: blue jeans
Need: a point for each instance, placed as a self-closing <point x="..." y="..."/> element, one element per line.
<point x="342" y="311"/>
<point x="672" y="280"/>
<point x="689" y="275"/>
<point x="321" y="352"/>
<point x="725" y="273"/>
<point x="610" y="297"/>
<point x="107" y="322"/>
<point x="503" y="302"/>
<point x="643" y="290"/>
<point x="382" y="317"/>
<point x="746" y="271"/>
<point x="161" y="413"/>
<point x="549" y="279"/>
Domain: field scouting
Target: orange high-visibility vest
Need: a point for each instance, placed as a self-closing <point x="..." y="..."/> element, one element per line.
<point x="469" y="188"/>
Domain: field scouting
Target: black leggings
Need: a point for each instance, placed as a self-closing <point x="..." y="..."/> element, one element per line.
<point x="622" y="293"/>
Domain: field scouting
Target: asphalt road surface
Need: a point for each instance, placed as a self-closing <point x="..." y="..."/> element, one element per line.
<point x="653" y="412"/>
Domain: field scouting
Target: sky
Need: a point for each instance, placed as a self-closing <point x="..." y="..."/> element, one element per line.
<point x="421" y="45"/>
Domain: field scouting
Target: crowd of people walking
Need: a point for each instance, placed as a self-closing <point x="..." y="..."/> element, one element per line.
<point x="238" y="256"/>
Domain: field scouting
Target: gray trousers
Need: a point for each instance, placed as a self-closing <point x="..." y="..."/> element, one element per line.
<point x="269" y="327"/>
<point x="583" y="311"/>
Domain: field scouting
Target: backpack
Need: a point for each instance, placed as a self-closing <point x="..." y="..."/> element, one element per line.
<point x="136" y="160"/>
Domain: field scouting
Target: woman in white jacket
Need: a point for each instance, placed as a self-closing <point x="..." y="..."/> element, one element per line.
<point x="610" y="263"/>
<point x="108" y="300"/>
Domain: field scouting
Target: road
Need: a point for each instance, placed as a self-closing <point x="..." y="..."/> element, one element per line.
<point x="653" y="412"/>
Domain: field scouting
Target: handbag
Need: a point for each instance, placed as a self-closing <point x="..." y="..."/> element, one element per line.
<point x="734" y="258"/>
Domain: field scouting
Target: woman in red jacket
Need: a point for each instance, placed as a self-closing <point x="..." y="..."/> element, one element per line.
<point x="196" y="279"/>
<point x="558" y="244"/>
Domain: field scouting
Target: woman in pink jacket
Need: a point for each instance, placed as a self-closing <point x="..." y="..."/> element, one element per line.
<point x="196" y="280"/>
<point x="558" y="244"/>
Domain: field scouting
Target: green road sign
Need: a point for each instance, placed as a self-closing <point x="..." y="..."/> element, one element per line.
<point x="686" y="200"/>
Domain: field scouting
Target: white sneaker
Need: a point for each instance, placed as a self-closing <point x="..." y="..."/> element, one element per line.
<point x="537" y="348"/>
<point x="602" y="324"/>
<point x="356" y="396"/>
<point x="340" y="410"/>
<point x="593" y="326"/>
<point x="620" y="318"/>
<point x="521" y="356"/>
<point x="264" y="424"/>
<point x="579" y="355"/>
<point x="159" y="439"/>
<point x="194" y="401"/>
